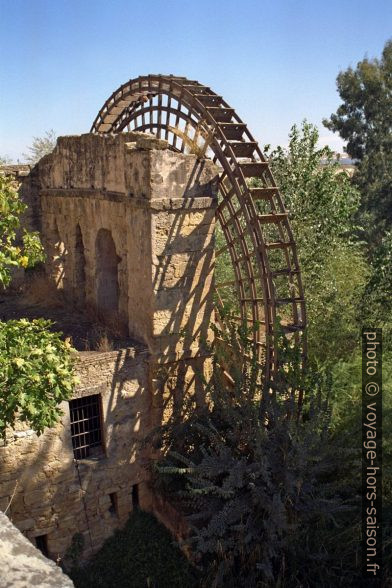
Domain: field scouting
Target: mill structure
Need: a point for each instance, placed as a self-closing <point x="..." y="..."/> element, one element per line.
<point x="150" y="222"/>
<point x="259" y="241"/>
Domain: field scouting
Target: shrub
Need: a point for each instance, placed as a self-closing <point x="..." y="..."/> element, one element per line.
<point x="35" y="374"/>
<point x="270" y="492"/>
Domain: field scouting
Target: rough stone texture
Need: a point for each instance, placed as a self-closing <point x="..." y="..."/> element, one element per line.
<point x="128" y="228"/>
<point x="22" y="565"/>
<point x="158" y="206"/>
<point x="48" y="493"/>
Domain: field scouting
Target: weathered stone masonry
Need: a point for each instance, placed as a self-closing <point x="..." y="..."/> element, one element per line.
<point x="128" y="227"/>
<point x="56" y="497"/>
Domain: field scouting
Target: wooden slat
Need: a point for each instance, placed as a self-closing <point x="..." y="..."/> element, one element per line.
<point x="272" y="218"/>
<point x="110" y="118"/>
<point x="232" y="131"/>
<point x="279" y="244"/>
<point x="283" y="301"/>
<point x="253" y="168"/>
<point x="209" y="99"/>
<point x="199" y="88"/>
<point x="242" y="148"/>
<point x="104" y="128"/>
<point x="221" y="114"/>
<point x="284" y="272"/>
<point x="263" y="193"/>
<point x="294" y="328"/>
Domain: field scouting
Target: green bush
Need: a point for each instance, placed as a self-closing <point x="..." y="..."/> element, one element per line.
<point x="36" y="374"/>
<point x="270" y="491"/>
<point x="15" y="250"/>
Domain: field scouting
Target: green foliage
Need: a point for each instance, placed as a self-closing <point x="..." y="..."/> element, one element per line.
<point x="377" y="308"/>
<point x="346" y="399"/>
<point x="321" y="200"/>
<point x="322" y="203"/>
<point x="35" y="364"/>
<point x="41" y="146"/>
<point x="364" y="120"/>
<point x="334" y="292"/>
<point x="140" y="555"/>
<point x="30" y="251"/>
<point x="271" y="495"/>
<point x="35" y="374"/>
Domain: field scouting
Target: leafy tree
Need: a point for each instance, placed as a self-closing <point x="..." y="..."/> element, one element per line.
<point x="379" y="287"/>
<point x="35" y="364"/>
<point x="23" y="250"/>
<point x="35" y="374"/>
<point x="41" y="146"/>
<point x="322" y="203"/>
<point x="364" y="120"/>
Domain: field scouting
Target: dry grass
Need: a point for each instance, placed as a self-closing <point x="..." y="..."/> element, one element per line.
<point x="104" y="344"/>
<point x="110" y="321"/>
<point x="107" y="327"/>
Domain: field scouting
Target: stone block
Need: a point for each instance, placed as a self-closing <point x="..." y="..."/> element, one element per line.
<point x="25" y="525"/>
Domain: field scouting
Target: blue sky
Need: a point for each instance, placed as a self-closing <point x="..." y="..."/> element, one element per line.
<point x="274" y="61"/>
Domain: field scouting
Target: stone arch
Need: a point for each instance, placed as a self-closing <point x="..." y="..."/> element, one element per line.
<point x="79" y="268"/>
<point x="107" y="260"/>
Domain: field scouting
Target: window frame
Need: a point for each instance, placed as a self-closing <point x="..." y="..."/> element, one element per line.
<point x="83" y="451"/>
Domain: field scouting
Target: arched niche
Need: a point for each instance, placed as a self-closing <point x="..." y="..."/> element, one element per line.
<point x="107" y="260"/>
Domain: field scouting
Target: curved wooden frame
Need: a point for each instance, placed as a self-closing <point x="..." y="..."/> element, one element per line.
<point x="254" y="221"/>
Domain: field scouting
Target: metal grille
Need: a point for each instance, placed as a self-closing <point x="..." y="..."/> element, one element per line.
<point x="86" y="431"/>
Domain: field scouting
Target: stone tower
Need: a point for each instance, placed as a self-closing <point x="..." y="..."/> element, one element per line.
<point x="128" y="228"/>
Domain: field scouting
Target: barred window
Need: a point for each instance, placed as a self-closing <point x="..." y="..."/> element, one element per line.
<point x="86" y="426"/>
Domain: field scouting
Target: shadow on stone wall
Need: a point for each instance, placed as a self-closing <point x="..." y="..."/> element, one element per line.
<point x="142" y="386"/>
<point x="47" y="493"/>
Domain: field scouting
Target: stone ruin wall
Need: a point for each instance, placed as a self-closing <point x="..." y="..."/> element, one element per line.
<point x="153" y="272"/>
<point x="51" y="494"/>
<point x="160" y="214"/>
